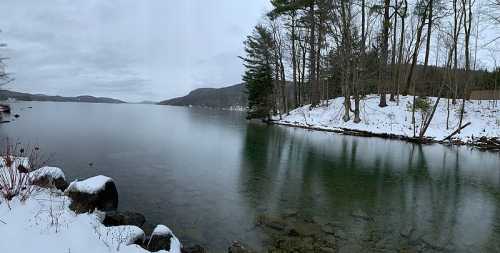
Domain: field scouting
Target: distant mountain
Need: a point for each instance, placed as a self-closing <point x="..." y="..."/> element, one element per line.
<point x="6" y="94"/>
<point x="230" y="97"/>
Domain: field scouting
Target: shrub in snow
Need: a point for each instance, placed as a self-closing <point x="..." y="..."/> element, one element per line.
<point x="97" y="192"/>
<point x="15" y="165"/>
<point x="14" y="177"/>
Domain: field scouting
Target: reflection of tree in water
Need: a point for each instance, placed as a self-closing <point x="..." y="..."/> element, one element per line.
<point x="401" y="189"/>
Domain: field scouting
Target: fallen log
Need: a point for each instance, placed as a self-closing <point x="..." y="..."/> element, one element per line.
<point x="456" y="131"/>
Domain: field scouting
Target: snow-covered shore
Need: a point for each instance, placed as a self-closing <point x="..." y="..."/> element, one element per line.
<point x="396" y="119"/>
<point x="44" y="221"/>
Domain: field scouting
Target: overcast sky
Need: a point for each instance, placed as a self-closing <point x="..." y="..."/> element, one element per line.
<point x="127" y="49"/>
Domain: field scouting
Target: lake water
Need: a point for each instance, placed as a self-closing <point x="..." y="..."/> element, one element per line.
<point x="210" y="174"/>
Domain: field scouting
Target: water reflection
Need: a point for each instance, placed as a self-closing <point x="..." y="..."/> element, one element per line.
<point x="412" y="195"/>
<point x="209" y="174"/>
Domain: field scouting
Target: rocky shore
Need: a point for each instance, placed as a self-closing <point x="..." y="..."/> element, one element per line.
<point x="95" y="199"/>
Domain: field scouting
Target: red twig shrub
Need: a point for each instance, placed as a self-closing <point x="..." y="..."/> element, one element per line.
<point x="16" y="163"/>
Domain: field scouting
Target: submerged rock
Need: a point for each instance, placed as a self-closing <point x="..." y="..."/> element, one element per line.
<point x="238" y="247"/>
<point x="94" y="193"/>
<point x="304" y="229"/>
<point x="273" y="222"/>
<point x="116" y="218"/>
<point x="194" y="249"/>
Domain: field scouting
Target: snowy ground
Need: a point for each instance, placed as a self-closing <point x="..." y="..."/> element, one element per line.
<point x="396" y="119"/>
<point x="44" y="223"/>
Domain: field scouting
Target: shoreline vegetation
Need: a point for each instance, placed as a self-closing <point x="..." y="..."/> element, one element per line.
<point x="305" y="55"/>
<point x="38" y="204"/>
<point x="481" y="127"/>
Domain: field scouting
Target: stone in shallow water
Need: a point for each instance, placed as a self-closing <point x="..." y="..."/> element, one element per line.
<point x="290" y="212"/>
<point x="194" y="249"/>
<point x="273" y="222"/>
<point x="360" y="214"/>
<point x="238" y="247"/>
<point x="116" y="218"/>
<point x="304" y="229"/>
<point x="328" y="229"/>
<point x="320" y="220"/>
<point x="160" y="239"/>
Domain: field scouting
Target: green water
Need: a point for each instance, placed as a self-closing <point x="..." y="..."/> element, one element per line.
<point x="210" y="174"/>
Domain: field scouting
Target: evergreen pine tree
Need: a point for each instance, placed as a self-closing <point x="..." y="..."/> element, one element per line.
<point x="258" y="75"/>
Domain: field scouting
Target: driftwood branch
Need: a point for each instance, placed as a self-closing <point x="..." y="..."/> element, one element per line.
<point x="456" y="131"/>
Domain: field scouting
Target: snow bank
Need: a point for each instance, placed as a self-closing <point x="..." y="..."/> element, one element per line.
<point x="44" y="223"/>
<point x="396" y="119"/>
<point x="50" y="172"/>
<point x="90" y="185"/>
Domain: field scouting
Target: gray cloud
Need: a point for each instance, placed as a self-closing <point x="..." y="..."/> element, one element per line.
<point x="128" y="49"/>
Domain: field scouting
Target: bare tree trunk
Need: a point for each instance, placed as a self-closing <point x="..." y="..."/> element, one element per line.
<point x="312" y="57"/>
<point x="430" y="18"/>
<point x="467" y="10"/>
<point x="423" y="129"/>
<point x="393" y="55"/>
<point x="420" y="28"/>
<point x="457" y="20"/>
<point x="401" y="46"/>
<point x="304" y="55"/>
<point x="294" y="63"/>
<point x="362" y="62"/>
<point x="385" y="52"/>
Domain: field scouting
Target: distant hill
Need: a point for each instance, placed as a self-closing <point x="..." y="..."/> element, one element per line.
<point x="6" y="94"/>
<point x="222" y="98"/>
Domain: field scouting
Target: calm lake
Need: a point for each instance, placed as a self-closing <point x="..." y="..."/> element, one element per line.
<point x="210" y="174"/>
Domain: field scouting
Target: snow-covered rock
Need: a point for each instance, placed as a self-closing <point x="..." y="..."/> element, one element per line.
<point x="49" y="177"/>
<point x="397" y="118"/>
<point x="91" y="185"/>
<point x="44" y="223"/>
<point x="162" y="238"/>
<point x="97" y="192"/>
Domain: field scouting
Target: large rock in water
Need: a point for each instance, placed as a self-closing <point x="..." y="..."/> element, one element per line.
<point x="162" y="238"/>
<point x="97" y="192"/>
<point x="116" y="218"/>
<point x="49" y="177"/>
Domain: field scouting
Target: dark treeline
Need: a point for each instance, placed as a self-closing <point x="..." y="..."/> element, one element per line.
<point x="308" y="51"/>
